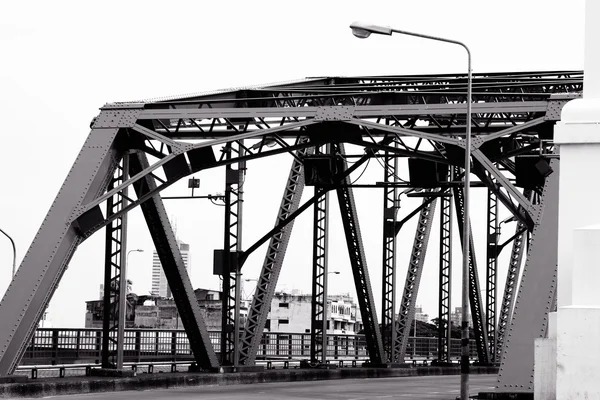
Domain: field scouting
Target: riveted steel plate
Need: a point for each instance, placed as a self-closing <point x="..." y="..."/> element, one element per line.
<point x="116" y="119"/>
<point x="335" y="113"/>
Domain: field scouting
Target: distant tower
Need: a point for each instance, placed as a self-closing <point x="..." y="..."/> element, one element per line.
<point x="159" y="280"/>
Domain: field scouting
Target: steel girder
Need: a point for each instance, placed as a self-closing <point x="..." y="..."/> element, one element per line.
<point x="508" y="105"/>
<point x="512" y="278"/>
<point x="28" y="294"/>
<point x="388" y="284"/>
<point x="479" y="326"/>
<point x="413" y="278"/>
<point x="232" y="246"/>
<point x="267" y="281"/>
<point x="493" y="233"/>
<point x="114" y="259"/>
<point x="173" y="266"/>
<point x="445" y="277"/>
<point x="535" y="298"/>
<point x="319" y="311"/>
<point x="358" y="262"/>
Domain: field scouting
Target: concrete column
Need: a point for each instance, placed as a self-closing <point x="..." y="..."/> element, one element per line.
<point x="566" y="364"/>
<point x="578" y="134"/>
<point x="578" y="324"/>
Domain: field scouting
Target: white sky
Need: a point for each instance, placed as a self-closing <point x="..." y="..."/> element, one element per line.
<point x="62" y="60"/>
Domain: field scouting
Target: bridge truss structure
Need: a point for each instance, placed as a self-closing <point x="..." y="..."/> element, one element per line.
<point x="149" y="145"/>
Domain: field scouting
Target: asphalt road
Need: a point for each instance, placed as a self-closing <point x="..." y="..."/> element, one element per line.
<point x="415" y="388"/>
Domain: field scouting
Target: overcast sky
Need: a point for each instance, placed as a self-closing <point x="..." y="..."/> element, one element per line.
<point x="62" y="60"/>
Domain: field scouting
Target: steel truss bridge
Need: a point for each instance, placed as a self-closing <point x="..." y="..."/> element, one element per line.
<point x="137" y="149"/>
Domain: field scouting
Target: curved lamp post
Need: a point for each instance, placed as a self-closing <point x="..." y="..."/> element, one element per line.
<point x="14" y="251"/>
<point x="363" y="30"/>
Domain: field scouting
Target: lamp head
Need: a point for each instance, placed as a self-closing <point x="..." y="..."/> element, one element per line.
<point x="140" y="250"/>
<point x="363" y="30"/>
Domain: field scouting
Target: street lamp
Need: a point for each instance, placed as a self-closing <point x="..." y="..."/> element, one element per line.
<point x="250" y="280"/>
<point x="363" y="30"/>
<point x="14" y="251"/>
<point x="131" y="251"/>
<point x="127" y="262"/>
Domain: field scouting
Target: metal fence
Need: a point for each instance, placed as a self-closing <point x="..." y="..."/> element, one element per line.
<point x="83" y="346"/>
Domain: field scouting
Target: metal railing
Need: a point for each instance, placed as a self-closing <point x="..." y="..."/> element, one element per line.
<point x="83" y="346"/>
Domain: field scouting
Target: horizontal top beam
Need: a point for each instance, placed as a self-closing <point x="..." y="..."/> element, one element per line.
<point x="359" y="111"/>
<point x="504" y="84"/>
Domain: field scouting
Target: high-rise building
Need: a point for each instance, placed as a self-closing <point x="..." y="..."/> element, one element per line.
<point x="159" y="280"/>
<point x="420" y="315"/>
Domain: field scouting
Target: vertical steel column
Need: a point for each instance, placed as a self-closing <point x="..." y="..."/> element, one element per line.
<point x="122" y="305"/>
<point x="232" y="244"/>
<point x="318" y="324"/>
<point x="413" y="278"/>
<point x="479" y="327"/>
<point x="113" y="262"/>
<point x="445" y="283"/>
<point x="267" y="281"/>
<point x="491" y="272"/>
<point x="512" y="278"/>
<point x="388" y="284"/>
<point x="358" y="262"/>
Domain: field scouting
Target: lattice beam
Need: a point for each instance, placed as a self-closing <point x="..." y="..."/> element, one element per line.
<point x="493" y="233"/>
<point x="510" y="286"/>
<point x="267" y="281"/>
<point x="388" y="284"/>
<point x="358" y="262"/>
<point x="445" y="278"/>
<point x="413" y="278"/>
<point x="319" y="311"/>
<point x="479" y="326"/>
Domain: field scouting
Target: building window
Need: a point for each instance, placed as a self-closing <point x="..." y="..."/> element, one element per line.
<point x="284" y="321"/>
<point x="284" y="305"/>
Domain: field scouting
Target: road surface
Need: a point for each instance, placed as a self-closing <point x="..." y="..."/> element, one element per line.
<point x="414" y="388"/>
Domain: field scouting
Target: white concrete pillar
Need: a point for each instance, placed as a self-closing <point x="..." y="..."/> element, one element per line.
<point x="578" y="324"/>
<point x="578" y="134"/>
<point x="591" y="79"/>
<point x="573" y="337"/>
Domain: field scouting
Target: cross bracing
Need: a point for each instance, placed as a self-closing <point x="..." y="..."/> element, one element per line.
<point x="417" y="117"/>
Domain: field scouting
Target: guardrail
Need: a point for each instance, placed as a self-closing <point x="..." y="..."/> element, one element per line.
<point x="83" y="346"/>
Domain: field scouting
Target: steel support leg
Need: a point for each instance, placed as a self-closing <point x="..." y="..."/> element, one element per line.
<point x="359" y="267"/>
<point x="388" y="284"/>
<point x="44" y="263"/>
<point x="413" y="279"/>
<point x="445" y="283"/>
<point x="112" y="273"/>
<point x="232" y="244"/>
<point x="512" y="278"/>
<point x="536" y="293"/>
<point x="172" y="262"/>
<point x="319" y="311"/>
<point x="491" y="272"/>
<point x="479" y="327"/>
<point x="267" y="281"/>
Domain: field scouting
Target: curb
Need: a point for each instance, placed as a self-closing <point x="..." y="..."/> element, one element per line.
<point x="80" y="385"/>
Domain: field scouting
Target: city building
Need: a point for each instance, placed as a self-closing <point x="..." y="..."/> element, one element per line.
<point x="420" y="315"/>
<point x="456" y="317"/>
<point x="289" y="312"/>
<point x="292" y="313"/>
<point x="159" y="280"/>
<point x="155" y="312"/>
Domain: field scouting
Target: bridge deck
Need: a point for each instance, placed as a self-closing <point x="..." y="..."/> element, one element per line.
<point x="415" y="388"/>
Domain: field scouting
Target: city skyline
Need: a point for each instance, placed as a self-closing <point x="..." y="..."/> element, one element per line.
<point x="160" y="287"/>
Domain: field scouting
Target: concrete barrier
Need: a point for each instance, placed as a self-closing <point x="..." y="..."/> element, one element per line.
<point x="79" y="385"/>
